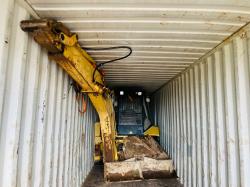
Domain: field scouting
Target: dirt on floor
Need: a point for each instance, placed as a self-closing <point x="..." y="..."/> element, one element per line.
<point x="95" y="179"/>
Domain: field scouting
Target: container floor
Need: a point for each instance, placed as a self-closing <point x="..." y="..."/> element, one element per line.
<point x="95" y="179"/>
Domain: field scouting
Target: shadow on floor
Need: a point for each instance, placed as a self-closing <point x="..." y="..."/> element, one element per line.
<point x="95" y="179"/>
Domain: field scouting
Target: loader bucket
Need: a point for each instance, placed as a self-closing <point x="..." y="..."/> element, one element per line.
<point x="133" y="169"/>
<point x="140" y="158"/>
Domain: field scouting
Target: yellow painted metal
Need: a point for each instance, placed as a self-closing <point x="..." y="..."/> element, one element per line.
<point x="152" y="131"/>
<point x="98" y="142"/>
<point x="97" y="158"/>
<point x="65" y="50"/>
<point x="68" y="40"/>
<point x="101" y="101"/>
<point x="97" y="129"/>
<point x="98" y="138"/>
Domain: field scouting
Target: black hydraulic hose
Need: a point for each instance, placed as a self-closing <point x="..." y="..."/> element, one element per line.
<point x="109" y="61"/>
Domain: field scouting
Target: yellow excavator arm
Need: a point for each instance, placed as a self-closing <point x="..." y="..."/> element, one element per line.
<point x="64" y="49"/>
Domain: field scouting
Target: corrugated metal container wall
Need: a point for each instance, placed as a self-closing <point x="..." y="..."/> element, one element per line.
<point x="45" y="141"/>
<point x="204" y="116"/>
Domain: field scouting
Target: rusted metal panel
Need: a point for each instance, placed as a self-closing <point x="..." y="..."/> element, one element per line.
<point x="134" y="146"/>
<point x="44" y="140"/>
<point x="132" y="169"/>
<point x="213" y="102"/>
<point x="96" y="178"/>
<point x="140" y="158"/>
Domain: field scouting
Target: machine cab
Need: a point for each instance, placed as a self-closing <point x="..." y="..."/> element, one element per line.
<point x="131" y="112"/>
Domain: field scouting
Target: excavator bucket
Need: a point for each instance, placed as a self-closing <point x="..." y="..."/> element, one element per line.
<point x="134" y="169"/>
<point x="140" y="158"/>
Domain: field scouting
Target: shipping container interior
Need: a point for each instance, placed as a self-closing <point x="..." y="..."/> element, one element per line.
<point x="191" y="57"/>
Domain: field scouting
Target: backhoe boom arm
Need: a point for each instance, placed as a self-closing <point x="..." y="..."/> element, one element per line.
<point x="64" y="49"/>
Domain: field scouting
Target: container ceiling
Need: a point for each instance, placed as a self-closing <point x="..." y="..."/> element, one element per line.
<point x="166" y="36"/>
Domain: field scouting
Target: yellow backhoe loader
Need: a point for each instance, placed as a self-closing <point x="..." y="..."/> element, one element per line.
<point x="141" y="157"/>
